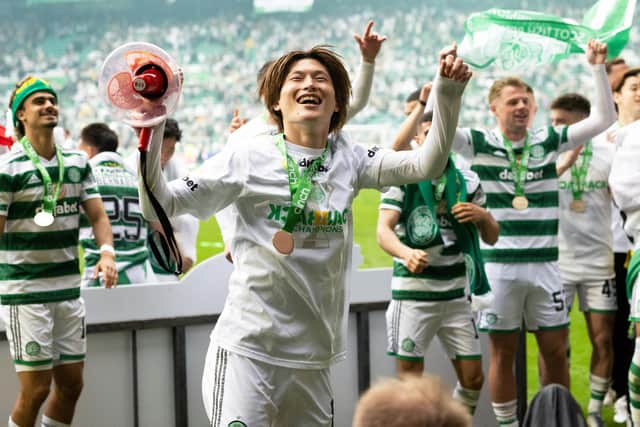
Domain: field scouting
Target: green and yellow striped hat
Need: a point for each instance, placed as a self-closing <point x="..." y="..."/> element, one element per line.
<point x="30" y="86"/>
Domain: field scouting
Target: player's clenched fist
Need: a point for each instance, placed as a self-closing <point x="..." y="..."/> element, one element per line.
<point x="455" y="69"/>
<point x="416" y="260"/>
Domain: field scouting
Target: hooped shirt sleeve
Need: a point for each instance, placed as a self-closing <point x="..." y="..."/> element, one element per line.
<point x="6" y="187"/>
<point x="474" y="188"/>
<point x="392" y="199"/>
<point x="89" y="184"/>
<point x="463" y="143"/>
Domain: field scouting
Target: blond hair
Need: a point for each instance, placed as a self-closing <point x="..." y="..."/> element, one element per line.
<point x="500" y="84"/>
<point x="411" y="401"/>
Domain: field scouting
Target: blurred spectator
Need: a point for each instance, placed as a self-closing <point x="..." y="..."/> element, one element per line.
<point x="411" y="401"/>
<point x="119" y="191"/>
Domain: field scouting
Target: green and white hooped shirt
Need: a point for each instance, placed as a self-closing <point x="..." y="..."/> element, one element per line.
<point x="446" y="276"/>
<point x="119" y="191"/>
<point x="40" y="264"/>
<point x="529" y="235"/>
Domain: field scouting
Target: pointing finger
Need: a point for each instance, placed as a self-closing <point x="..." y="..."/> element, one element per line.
<point x="367" y="30"/>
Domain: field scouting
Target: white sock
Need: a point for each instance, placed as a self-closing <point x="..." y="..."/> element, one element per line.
<point x="467" y="397"/>
<point x="506" y="413"/>
<point x="634" y="385"/>
<point x="50" y="422"/>
<point x="598" y="387"/>
<point x="12" y="423"/>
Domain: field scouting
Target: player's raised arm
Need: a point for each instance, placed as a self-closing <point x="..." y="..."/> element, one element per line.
<point x="461" y="142"/>
<point x="408" y="128"/>
<point x="603" y="113"/>
<point x="369" y="44"/>
<point x="209" y="189"/>
<point x="430" y="160"/>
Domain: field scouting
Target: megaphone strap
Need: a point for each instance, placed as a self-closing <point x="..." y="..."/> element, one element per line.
<point x="170" y="248"/>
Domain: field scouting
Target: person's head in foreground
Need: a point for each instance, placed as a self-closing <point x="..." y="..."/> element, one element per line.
<point x="412" y="401"/>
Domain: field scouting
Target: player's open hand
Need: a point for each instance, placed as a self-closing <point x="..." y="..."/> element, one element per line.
<point x="369" y="43"/>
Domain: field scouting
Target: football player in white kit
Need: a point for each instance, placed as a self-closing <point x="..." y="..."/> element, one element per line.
<point x="369" y="43"/>
<point x="284" y="320"/>
<point x="623" y="182"/>
<point x="585" y="248"/>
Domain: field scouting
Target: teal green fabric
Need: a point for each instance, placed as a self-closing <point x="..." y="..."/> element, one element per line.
<point x="632" y="272"/>
<point x="466" y="234"/>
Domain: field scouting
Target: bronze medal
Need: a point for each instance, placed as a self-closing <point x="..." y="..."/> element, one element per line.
<point x="283" y="242"/>
<point x="578" y="206"/>
<point x="520" y="203"/>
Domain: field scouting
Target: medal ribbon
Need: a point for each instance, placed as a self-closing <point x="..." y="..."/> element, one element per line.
<point x="299" y="185"/>
<point x="450" y="187"/>
<point x="441" y="183"/>
<point x="579" y="173"/>
<point x="519" y="170"/>
<point x="50" y="195"/>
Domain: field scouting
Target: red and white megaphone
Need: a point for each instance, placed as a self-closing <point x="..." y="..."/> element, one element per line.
<point x="142" y="84"/>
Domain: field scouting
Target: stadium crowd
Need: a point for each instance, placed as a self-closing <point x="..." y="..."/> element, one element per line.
<point x="221" y="55"/>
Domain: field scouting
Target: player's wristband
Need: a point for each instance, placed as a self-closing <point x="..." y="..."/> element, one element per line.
<point x="108" y="248"/>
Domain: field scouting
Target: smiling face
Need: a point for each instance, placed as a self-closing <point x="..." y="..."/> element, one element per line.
<point x="307" y="87"/>
<point x="39" y="110"/>
<point x="512" y="109"/>
<point x="307" y="95"/>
